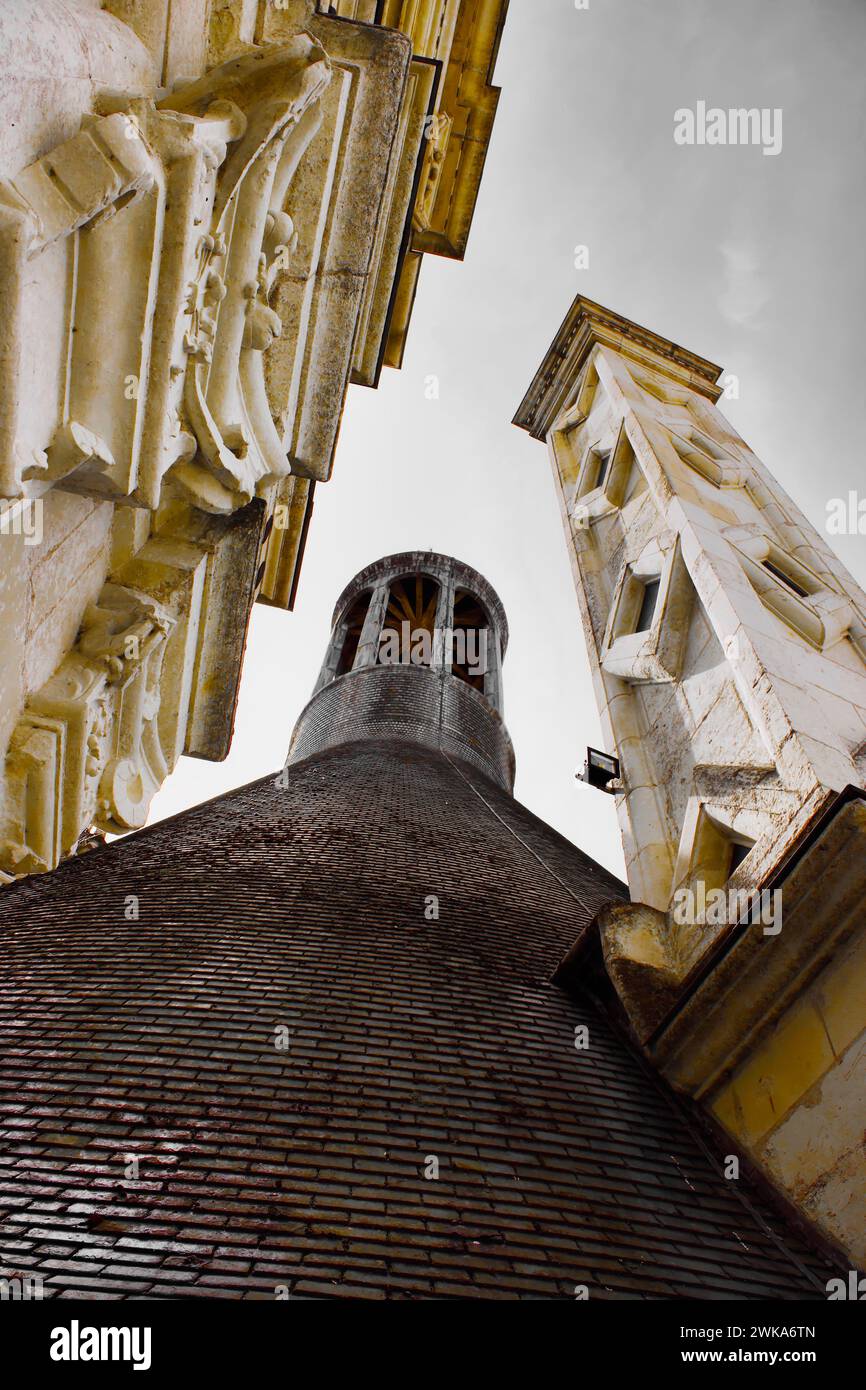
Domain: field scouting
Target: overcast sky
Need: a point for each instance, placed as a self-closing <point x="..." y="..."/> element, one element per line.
<point x="756" y="262"/>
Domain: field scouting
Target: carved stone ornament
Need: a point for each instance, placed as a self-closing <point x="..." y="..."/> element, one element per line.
<point x="162" y="226"/>
<point x="87" y="750"/>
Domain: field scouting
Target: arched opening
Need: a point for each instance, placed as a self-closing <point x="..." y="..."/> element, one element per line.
<point x="354" y="621"/>
<point x="471" y="637"/>
<point x="410" y="622"/>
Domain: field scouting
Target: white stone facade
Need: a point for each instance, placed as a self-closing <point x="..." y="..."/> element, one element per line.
<point x="728" y="651"/>
<point x="741" y="707"/>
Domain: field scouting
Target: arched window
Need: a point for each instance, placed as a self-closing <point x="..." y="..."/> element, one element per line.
<point x="471" y="635"/>
<point x="410" y="622"/>
<point x="354" y="621"/>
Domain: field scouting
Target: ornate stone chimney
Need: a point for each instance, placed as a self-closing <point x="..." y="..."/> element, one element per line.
<point x="415" y="655"/>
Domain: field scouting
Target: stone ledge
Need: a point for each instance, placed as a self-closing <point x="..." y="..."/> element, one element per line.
<point x="755" y="979"/>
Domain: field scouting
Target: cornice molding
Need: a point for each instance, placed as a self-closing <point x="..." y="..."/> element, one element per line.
<point x="585" y="326"/>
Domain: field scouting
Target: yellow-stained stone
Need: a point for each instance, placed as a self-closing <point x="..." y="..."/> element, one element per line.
<point x="798" y="1054"/>
<point x="753" y="1104"/>
<point x="840" y="996"/>
<point x="817" y="1153"/>
<point x="779" y="1072"/>
<point x="724" y="1107"/>
<point x="825" y="1129"/>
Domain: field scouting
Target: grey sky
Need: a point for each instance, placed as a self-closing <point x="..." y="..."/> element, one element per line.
<point x="756" y="262"/>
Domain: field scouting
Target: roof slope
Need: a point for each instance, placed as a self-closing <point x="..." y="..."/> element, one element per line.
<point x="408" y="1039"/>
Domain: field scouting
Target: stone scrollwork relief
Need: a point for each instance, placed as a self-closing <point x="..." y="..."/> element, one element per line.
<point x="63" y="202"/>
<point x="87" y="749"/>
<point x="191" y="276"/>
<point x="251" y="233"/>
<point x="126" y="633"/>
<point x="163" y="224"/>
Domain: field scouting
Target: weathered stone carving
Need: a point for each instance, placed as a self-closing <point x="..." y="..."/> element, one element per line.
<point x="195" y="262"/>
<point x="80" y="184"/>
<point x="273" y="97"/>
<point x="172" y="245"/>
<point x="87" y="750"/>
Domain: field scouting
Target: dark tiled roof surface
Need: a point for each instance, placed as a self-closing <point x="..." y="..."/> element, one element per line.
<point x="409" y="1039"/>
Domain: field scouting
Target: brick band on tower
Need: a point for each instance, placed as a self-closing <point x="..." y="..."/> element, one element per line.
<point x="416" y="652"/>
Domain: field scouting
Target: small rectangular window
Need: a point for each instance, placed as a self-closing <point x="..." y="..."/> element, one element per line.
<point x="738" y="854"/>
<point x="648" y="605"/>
<point x="603" y="456"/>
<point x="785" y="579"/>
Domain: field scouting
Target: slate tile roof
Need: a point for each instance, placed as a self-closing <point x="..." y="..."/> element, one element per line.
<point x="157" y="1142"/>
